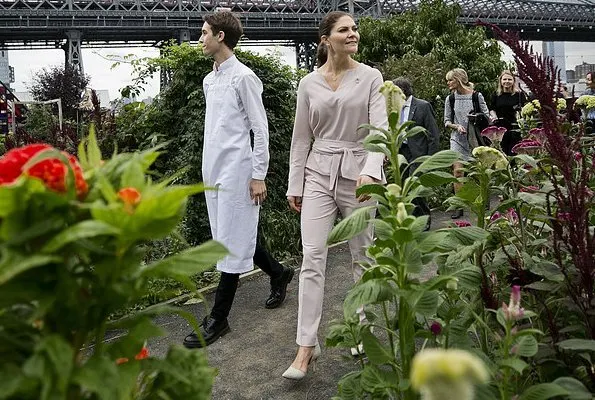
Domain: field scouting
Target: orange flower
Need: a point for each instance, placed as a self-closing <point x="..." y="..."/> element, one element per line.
<point x="121" y="360"/>
<point x="142" y="354"/>
<point x="131" y="197"/>
<point x="52" y="171"/>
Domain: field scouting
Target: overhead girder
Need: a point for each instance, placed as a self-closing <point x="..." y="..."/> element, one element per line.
<point x="29" y="21"/>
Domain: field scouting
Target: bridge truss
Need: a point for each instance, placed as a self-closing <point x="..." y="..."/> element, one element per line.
<point x="74" y="23"/>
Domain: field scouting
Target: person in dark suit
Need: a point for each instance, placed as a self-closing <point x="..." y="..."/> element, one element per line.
<point x="422" y="144"/>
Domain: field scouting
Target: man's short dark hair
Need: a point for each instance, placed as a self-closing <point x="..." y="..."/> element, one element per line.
<point x="226" y="22"/>
<point x="404" y="85"/>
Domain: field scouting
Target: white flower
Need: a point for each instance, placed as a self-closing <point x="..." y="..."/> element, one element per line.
<point x="440" y="374"/>
<point x="395" y="99"/>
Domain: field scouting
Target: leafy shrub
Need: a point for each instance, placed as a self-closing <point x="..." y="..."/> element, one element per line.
<point x="176" y="120"/>
<point x="71" y="255"/>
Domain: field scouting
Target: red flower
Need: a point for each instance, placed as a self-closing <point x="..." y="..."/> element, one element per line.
<point x="52" y="171"/>
<point x="462" y="223"/>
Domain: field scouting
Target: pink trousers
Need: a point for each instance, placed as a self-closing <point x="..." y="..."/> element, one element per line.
<point x="319" y="212"/>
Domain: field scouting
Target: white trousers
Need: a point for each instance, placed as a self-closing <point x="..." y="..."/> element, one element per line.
<point x="319" y="212"/>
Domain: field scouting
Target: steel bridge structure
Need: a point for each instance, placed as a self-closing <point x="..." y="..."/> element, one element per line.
<point x="72" y="24"/>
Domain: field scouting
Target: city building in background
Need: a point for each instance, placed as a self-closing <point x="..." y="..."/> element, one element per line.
<point x="6" y="71"/>
<point x="556" y="51"/>
<point x="580" y="71"/>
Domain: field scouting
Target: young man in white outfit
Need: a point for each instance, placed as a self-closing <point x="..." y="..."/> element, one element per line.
<point x="234" y="108"/>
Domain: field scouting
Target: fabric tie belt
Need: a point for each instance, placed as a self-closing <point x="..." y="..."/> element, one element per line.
<point x="344" y="158"/>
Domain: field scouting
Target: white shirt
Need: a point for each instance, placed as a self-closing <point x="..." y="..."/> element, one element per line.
<point x="406" y="108"/>
<point x="234" y="107"/>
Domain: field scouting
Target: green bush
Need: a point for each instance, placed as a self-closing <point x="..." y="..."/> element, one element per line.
<point x="176" y="119"/>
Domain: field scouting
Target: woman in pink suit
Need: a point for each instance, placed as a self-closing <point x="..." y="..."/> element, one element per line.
<point x="332" y="102"/>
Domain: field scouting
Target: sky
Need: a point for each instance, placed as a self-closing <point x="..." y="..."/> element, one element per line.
<point x="98" y="64"/>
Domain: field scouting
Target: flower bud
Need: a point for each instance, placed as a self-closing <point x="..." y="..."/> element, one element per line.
<point x="452" y="284"/>
<point x="401" y="212"/>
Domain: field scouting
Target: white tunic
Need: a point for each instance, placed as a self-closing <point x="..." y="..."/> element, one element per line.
<point x="234" y="108"/>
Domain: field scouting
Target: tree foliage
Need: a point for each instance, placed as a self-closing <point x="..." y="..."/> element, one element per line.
<point x="176" y="120"/>
<point x="426" y="43"/>
<point x="60" y="82"/>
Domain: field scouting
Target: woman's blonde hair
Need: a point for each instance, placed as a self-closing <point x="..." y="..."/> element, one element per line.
<point x="460" y="75"/>
<point x="515" y="85"/>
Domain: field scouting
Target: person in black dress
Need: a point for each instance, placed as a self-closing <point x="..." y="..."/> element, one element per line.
<point x="505" y="103"/>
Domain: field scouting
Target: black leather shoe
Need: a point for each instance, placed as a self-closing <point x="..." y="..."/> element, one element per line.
<point x="279" y="288"/>
<point x="457" y="214"/>
<point x="210" y="330"/>
<point x="428" y="224"/>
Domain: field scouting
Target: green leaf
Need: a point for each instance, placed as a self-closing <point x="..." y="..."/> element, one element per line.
<point x="543" y="286"/>
<point x="134" y="175"/>
<point x="515" y="363"/>
<point x="432" y="241"/>
<point x="527" y="346"/>
<point x="13" y="263"/>
<point x="543" y="391"/>
<point x="376" y="138"/>
<point x="436" y="178"/>
<point x="427" y="303"/>
<point x="547" y="269"/>
<point x="49" y="224"/>
<point x="403" y="235"/>
<point x="440" y="160"/>
<point x="374" y="379"/>
<point x="97" y="376"/>
<point x="187" y="262"/>
<point x="577" y="344"/>
<point x="166" y="202"/>
<point x="371" y="188"/>
<point x="383" y="230"/>
<point x="376" y="352"/>
<point x="526" y="159"/>
<point x="364" y="293"/>
<point x="485" y="392"/>
<point x="52" y="364"/>
<point x="575" y="388"/>
<point x="351" y="226"/>
<point x="393" y="119"/>
<point x="469" y="234"/>
<point x="534" y="199"/>
<point x="350" y="387"/>
<point x="92" y="153"/>
<point x="82" y="230"/>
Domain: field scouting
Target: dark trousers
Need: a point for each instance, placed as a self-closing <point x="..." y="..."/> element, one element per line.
<point x="228" y="284"/>
<point x="421" y="204"/>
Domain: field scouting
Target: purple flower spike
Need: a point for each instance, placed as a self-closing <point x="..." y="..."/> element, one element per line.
<point x="564" y="216"/>
<point x="495" y="216"/>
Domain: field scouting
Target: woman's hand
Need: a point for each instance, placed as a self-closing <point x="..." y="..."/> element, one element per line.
<point x="364" y="180"/>
<point x="461" y="129"/>
<point x="295" y="203"/>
